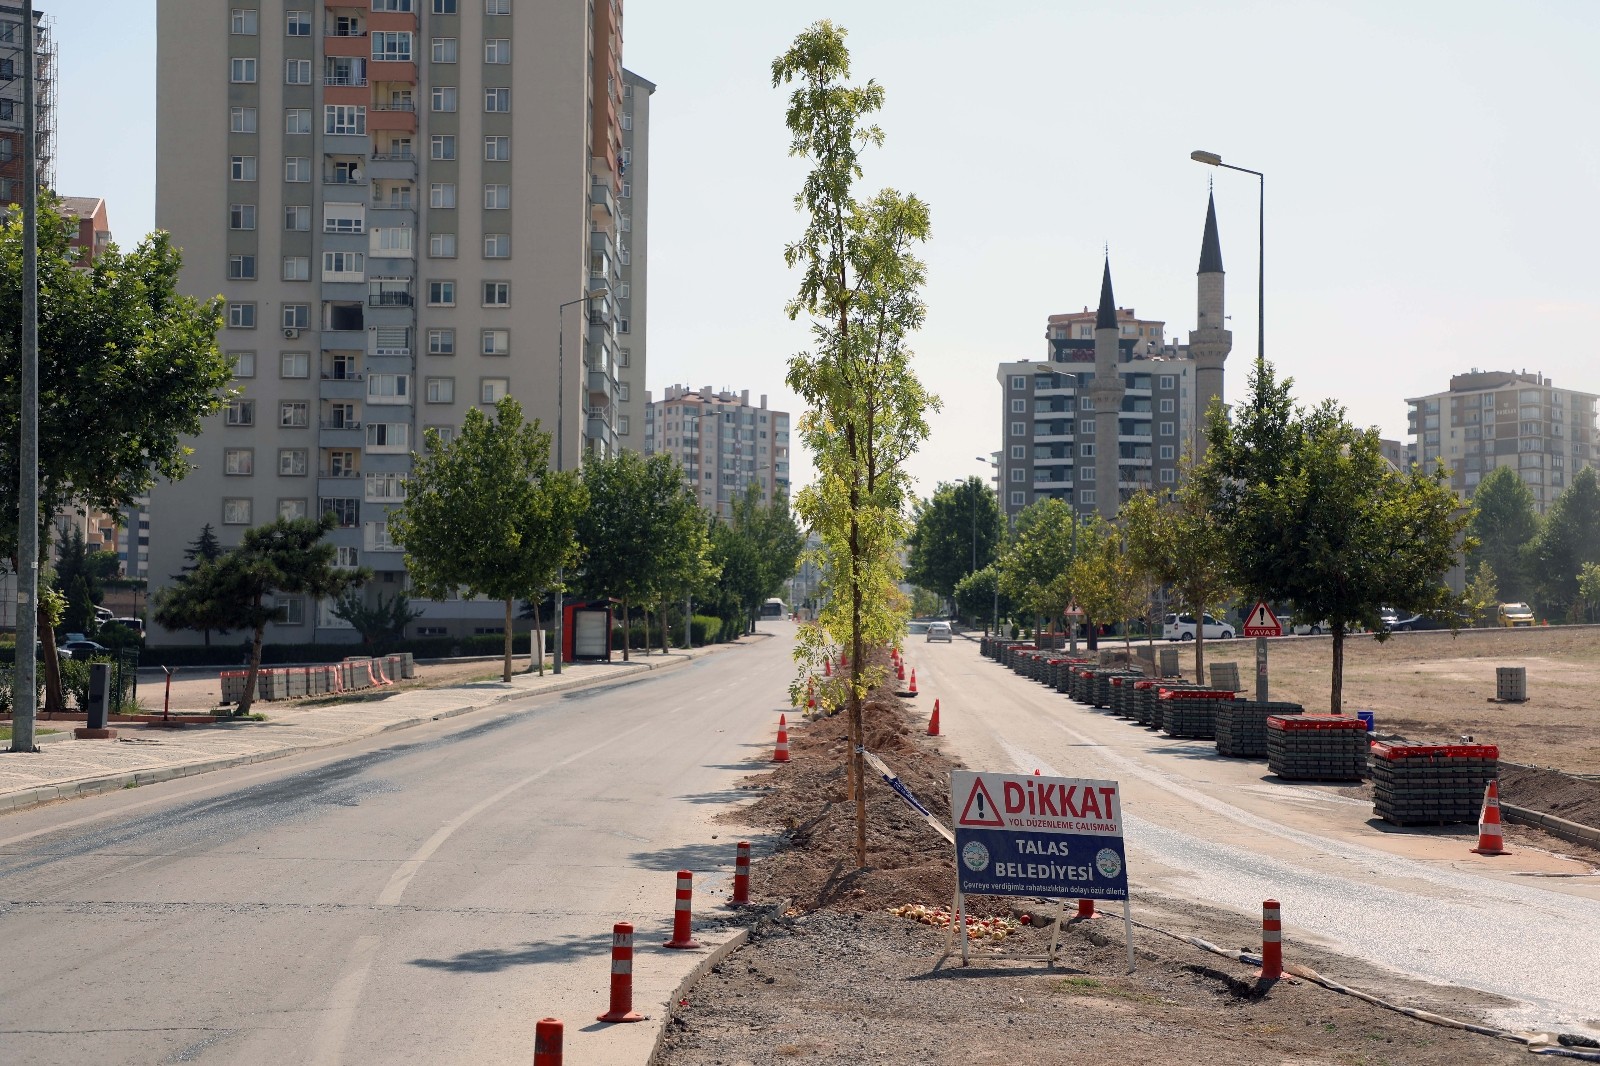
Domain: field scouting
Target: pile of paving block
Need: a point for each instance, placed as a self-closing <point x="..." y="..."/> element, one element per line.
<point x="291" y="682"/>
<point x="1431" y="784"/>
<point x="1242" y="726"/>
<point x="1191" y="712"/>
<point x="1317" y="747"/>
<point x="1146" y="703"/>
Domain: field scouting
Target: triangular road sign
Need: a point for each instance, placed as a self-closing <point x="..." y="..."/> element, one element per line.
<point x="1262" y="623"/>
<point x="986" y="813"/>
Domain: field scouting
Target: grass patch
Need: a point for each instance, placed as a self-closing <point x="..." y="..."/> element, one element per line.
<point x="1097" y="989"/>
<point x="5" y="732"/>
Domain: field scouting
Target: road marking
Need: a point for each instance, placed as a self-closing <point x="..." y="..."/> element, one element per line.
<point x="327" y="1047"/>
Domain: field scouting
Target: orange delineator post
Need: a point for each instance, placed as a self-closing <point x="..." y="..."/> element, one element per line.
<point x="827" y="668"/>
<point x="1086" y="908"/>
<point x="547" y="1042"/>
<point x="681" y="935"/>
<point x="780" y="753"/>
<point x="899" y="669"/>
<point x="1271" y="941"/>
<point x="1491" y="838"/>
<point x="933" y="723"/>
<point x="621" y="1009"/>
<point x="741" y="876"/>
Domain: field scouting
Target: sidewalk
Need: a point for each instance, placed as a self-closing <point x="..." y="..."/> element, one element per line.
<point x="142" y="755"/>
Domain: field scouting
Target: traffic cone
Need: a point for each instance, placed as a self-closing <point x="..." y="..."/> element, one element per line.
<point x="781" y="752"/>
<point x="933" y="723"/>
<point x="1086" y="908"/>
<point x="899" y="670"/>
<point x="827" y="668"/>
<point x="913" y="690"/>
<point x="1490" y="839"/>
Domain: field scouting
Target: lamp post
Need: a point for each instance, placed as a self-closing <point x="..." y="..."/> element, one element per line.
<point x="1215" y="160"/>
<point x="996" y="466"/>
<point x="561" y="398"/>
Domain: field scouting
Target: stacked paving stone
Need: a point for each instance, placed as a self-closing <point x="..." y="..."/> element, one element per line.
<point x="1067" y="672"/>
<point x="1317" y="747"/>
<point x="1153" y="708"/>
<point x="1191" y="712"/>
<point x="1225" y="676"/>
<point x="1122" y="694"/>
<point x="1431" y="784"/>
<point x="1242" y="726"/>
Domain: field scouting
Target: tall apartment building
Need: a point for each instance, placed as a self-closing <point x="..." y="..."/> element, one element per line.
<point x="722" y="442"/>
<point x="12" y="116"/>
<point x="1114" y="407"/>
<point x="1496" y="418"/>
<point x="410" y="208"/>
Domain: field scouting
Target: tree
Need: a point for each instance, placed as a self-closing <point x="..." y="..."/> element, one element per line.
<point x="1314" y="515"/>
<point x="1569" y="538"/>
<point x="288" y="557"/>
<point x="80" y="575"/>
<point x="1182" y="544"/>
<point x="486" y="514"/>
<point x="382" y="622"/>
<point x="956" y="532"/>
<point x="860" y="283"/>
<point x="776" y="542"/>
<point x="1482" y="599"/>
<point x="118" y="329"/>
<point x="1036" y="566"/>
<point x="1104" y="577"/>
<point x="1589" y="590"/>
<point x="1505" y="526"/>
<point x="978" y="600"/>
<point x="205" y="548"/>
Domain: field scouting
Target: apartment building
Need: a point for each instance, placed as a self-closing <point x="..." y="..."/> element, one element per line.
<point x="12" y="115"/>
<point x="722" y="441"/>
<point x="410" y="207"/>
<point x="1493" y="418"/>
<point x="94" y="226"/>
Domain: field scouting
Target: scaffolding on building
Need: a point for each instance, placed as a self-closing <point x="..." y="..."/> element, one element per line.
<point x="12" y="118"/>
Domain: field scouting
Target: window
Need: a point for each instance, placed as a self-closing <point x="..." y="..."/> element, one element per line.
<point x="242" y="267"/>
<point x="296" y="268"/>
<point x="1017" y="498"/>
<point x="241" y="216"/>
<point x="341" y="463"/>
<point x="241" y="120"/>
<point x="622" y="425"/>
<point x="493" y="390"/>
<point x="244" y="364"/>
<point x="1166" y="429"/>
<point x="1019" y="451"/>
<point x="343" y="218"/>
<point x="441" y="390"/>
<point x="393" y="240"/>
<point x="297" y="72"/>
<point x="1018" y="406"/>
<point x="624" y="391"/>
<point x="241" y="316"/>
<point x="1166" y="407"/>
<point x="392" y="5"/>
<point x="382" y="488"/>
<point x="444" y="97"/>
<point x="239" y="413"/>
<point x="244" y="21"/>
<point x="290" y="611"/>
<point x="446" y="433"/>
<point x="442" y="246"/>
<point x="236" y="512"/>
<point x="1086" y="451"/>
<point x="239" y="462"/>
<point x="242" y="71"/>
<point x="624" y="326"/>
<point x="391" y="46"/>
<point x="1018" y="474"/>
<point x="1018" y="429"/>
<point x="497" y="294"/>
<point x="299" y="24"/>
<point x="442" y="194"/>
<point x="344" y="119"/>
<point x="625" y="357"/>
<point x="1018" y="381"/>
<point x="346" y="510"/>
<point x="497" y="246"/>
<point x="389" y="436"/>
<point x="1086" y="496"/>
<point x="1086" y="474"/>
<point x="497" y="50"/>
<point x="441" y="342"/>
<point x="1167" y="381"/>
<point x="1166" y="451"/>
<point x="497" y="7"/>
<point x="388" y="388"/>
<point x="294" y="414"/>
<point x="444" y="7"/>
<point x="297" y="217"/>
<point x="345" y="557"/>
<point x="296" y="316"/>
<point x="496" y="197"/>
<point x="297" y="120"/>
<point x="497" y="149"/>
<point x="291" y="509"/>
<point x="1169" y="476"/>
<point x="442" y="146"/>
<point x="291" y="462"/>
<point x="496" y="342"/>
<point x="294" y="365"/>
<point x="441" y="294"/>
<point x="344" y="263"/>
<point x="497" y="100"/>
<point x="297" y="168"/>
<point x="627" y="190"/>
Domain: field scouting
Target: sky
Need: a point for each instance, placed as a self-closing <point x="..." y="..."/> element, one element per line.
<point x="1432" y="182"/>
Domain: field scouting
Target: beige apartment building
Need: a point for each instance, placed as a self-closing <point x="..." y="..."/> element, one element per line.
<point x="410" y="207"/>
<point x="722" y="441"/>
<point x="1508" y="418"/>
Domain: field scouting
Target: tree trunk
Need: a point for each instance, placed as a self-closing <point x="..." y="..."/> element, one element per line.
<point x="536" y="638"/>
<point x="54" y="701"/>
<point x="505" y="668"/>
<point x="662" y="598"/>
<point x="1336" y="695"/>
<point x="627" y="631"/>
<point x="255" y="666"/>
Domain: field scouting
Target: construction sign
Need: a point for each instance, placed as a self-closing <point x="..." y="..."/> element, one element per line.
<point x="1262" y="622"/>
<point x="1020" y="835"/>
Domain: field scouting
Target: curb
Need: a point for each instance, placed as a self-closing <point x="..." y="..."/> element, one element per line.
<point x="712" y="958"/>
<point x="24" y="799"/>
<point x="1573" y="831"/>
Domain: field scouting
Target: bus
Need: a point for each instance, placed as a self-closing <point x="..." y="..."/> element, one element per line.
<point x="774" y="608"/>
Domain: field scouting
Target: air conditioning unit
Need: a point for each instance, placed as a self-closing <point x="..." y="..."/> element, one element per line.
<point x="291" y="333"/>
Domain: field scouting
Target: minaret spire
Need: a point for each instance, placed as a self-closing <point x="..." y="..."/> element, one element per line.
<point x="1210" y="342"/>
<point x="1105" y="392"/>
<point x="1210" y="245"/>
<point x="1106" y="316"/>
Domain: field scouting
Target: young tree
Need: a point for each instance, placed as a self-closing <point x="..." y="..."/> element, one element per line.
<point x="383" y="622"/>
<point x="1569" y="538"/>
<point x="979" y="600"/>
<point x="860" y="283"/>
<point x="205" y="548"/>
<point x="1505" y="525"/>
<point x="1482" y="599"/>
<point x="1182" y="544"/>
<point x="485" y="513"/>
<point x="1105" y="578"/>
<point x="1315" y="516"/>
<point x="1036" y="566"/>
<point x="286" y="557"/>
<point x="776" y="542"/>
<point x="118" y="332"/>
<point x="956" y="533"/>
<point x="80" y="576"/>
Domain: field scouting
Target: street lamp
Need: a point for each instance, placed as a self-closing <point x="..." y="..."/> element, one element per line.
<point x="996" y="465"/>
<point x="1215" y="160"/>
<point x="561" y="399"/>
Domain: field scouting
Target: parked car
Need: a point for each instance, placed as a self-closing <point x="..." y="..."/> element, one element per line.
<point x="82" y="649"/>
<point x="1516" y="614"/>
<point x="1182" y="627"/>
<point x="135" y="624"/>
<point x="1314" y="629"/>
<point x="1403" y="623"/>
<point x="940" y="631"/>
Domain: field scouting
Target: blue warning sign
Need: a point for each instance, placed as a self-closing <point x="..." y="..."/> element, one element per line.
<point x="1018" y="835"/>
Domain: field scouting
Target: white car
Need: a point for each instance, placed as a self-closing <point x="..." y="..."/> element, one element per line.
<point x="1182" y="627"/>
<point x="940" y="631"/>
<point x="1313" y="629"/>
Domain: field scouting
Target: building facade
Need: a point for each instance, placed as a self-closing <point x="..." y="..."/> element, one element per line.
<point x="1505" y="418"/>
<point x="12" y="115"/>
<point x="94" y="226"/>
<point x="722" y="441"/>
<point x="410" y="207"/>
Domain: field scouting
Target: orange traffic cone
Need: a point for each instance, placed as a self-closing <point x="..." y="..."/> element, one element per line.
<point x="781" y="752"/>
<point x="1086" y="908"/>
<point x="1490" y="839"/>
<point x="933" y="723"/>
<point x="827" y="668"/>
<point x="913" y="690"/>
<point x="899" y="670"/>
<point x="811" y="695"/>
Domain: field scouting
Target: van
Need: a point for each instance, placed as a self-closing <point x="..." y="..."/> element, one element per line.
<point x="135" y="624"/>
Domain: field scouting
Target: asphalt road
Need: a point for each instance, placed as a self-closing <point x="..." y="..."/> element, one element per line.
<point x="1525" y="926"/>
<point x="422" y="897"/>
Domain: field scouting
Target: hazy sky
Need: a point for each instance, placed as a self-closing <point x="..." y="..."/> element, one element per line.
<point x="1433" y="181"/>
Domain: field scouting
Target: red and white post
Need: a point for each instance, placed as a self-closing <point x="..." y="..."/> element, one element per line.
<point x="682" y="937"/>
<point x="1271" y="941"/>
<point x="741" y="876"/>
<point x="547" y="1042"/>
<point x="621" y="976"/>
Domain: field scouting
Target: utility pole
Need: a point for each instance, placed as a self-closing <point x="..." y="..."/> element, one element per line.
<point x="26" y="690"/>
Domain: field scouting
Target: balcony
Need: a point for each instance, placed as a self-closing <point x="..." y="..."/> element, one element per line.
<point x="344" y="81"/>
<point x="393" y="117"/>
<point x="601" y="387"/>
<point x="389" y="299"/>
